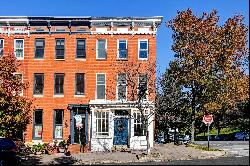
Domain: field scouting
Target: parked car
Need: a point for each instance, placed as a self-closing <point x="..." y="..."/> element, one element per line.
<point x="161" y="139"/>
<point x="8" y="152"/>
<point x="242" y="136"/>
<point x="219" y="138"/>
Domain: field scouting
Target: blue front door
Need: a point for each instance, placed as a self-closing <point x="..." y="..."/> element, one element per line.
<point x="120" y="131"/>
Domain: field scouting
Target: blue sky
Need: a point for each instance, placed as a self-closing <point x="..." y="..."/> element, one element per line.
<point x="166" y="8"/>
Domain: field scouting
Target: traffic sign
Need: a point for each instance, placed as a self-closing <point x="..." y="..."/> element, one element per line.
<point x="208" y="119"/>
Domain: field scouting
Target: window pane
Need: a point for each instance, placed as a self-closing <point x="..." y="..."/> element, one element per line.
<point x="38" y="87"/>
<point x="59" y="48"/>
<point x="101" y="48"/>
<point x="19" y="44"/>
<point x="59" y="81"/>
<point x="1" y="47"/>
<point x="121" y="78"/>
<point x="122" y="45"/>
<point x="100" y="79"/>
<point x="121" y="92"/>
<point x="143" y="45"/>
<point x="58" y="116"/>
<point x="100" y="91"/>
<point x="80" y="50"/>
<point x="39" y="48"/>
<point x="79" y="84"/>
<point x="38" y="117"/>
<point x="143" y="54"/>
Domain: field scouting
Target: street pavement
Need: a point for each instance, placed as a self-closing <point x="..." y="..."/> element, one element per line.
<point x="233" y="148"/>
<point x="218" y="161"/>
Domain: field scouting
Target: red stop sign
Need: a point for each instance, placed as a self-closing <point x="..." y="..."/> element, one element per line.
<point x="208" y="119"/>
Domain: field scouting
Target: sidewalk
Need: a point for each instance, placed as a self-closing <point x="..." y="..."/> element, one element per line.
<point x="158" y="153"/>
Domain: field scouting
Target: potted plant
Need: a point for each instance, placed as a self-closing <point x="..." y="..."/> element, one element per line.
<point x="38" y="149"/>
<point x="62" y="146"/>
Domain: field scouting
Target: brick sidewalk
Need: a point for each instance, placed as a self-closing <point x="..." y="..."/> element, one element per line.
<point x="158" y="153"/>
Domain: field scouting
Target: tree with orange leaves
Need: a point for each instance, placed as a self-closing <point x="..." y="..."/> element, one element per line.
<point x="212" y="60"/>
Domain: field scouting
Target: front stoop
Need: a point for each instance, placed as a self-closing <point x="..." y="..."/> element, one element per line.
<point x="120" y="148"/>
<point x="75" y="148"/>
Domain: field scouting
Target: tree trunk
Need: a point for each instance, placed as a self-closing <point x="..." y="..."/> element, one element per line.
<point x="193" y="115"/>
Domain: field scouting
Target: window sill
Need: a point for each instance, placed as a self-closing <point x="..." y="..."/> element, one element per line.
<point x="143" y="59"/>
<point x="59" y="59"/>
<point x="37" y="95"/>
<point x="58" y="96"/>
<point x="122" y="59"/>
<point x="79" y="95"/>
<point x="19" y="58"/>
<point x="80" y="59"/>
<point x="39" y="59"/>
<point x="101" y="59"/>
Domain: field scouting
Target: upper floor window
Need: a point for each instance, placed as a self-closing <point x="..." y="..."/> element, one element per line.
<point x="59" y="81"/>
<point x="142" y="87"/>
<point x="101" y="49"/>
<point x="37" y="124"/>
<point x="122" y="49"/>
<point x="121" y="87"/>
<point x="100" y="86"/>
<point x="19" y="48"/>
<point x="59" y="48"/>
<point x="38" y="83"/>
<point x="143" y="49"/>
<point x="39" y="48"/>
<point x="1" y="47"/>
<point x="79" y="88"/>
<point x="80" y="48"/>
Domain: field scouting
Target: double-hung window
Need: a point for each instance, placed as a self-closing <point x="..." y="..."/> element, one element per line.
<point x="60" y="48"/>
<point x="37" y="124"/>
<point x="142" y="87"/>
<point x="143" y="49"/>
<point x="101" y="49"/>
<point x="122" y="49"/>
<point x="102" y="123"/>
<point x="58" y="124"/>
<point x="19" y="48"/>
<point x="121" y="87"/>
<point x="38" y="83"/>
<point x="139" y="128"/>
<point x="79" y="87"/>
<point x="39" y="48"/>
<point x="59" y="81"/>
<point x="1" y="47"/>
<point x="80" y="48"/>
<point x="100" y="86"/>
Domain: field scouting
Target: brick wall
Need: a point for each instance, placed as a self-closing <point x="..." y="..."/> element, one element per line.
<point x="70" y="66"/>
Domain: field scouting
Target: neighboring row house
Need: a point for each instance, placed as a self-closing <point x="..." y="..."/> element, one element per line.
<point x="67" y="62"/>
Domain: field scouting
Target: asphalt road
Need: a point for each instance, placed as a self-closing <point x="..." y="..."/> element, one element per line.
<point x="219" y="161"/>
<point x="233" y="148"/>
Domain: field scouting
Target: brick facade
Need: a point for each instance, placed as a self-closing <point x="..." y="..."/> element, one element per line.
<point x="70" y="66"/>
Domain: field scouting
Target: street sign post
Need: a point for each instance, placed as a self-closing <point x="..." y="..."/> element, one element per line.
<point x="208" y="119"/>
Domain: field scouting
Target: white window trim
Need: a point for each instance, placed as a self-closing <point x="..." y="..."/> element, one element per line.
<point x="22" y="58"/>
<point x="106" y="43"/>
<point x="21" y="94"/>
<point x="146" y="91"/>
<point x="117" y="88"/>
<point x="139" y="40"/>
<point x="118" y="41"/>
<point x="96" y="130"/>
<point x="3" y="48"/>
<point x="96" y="86"/>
